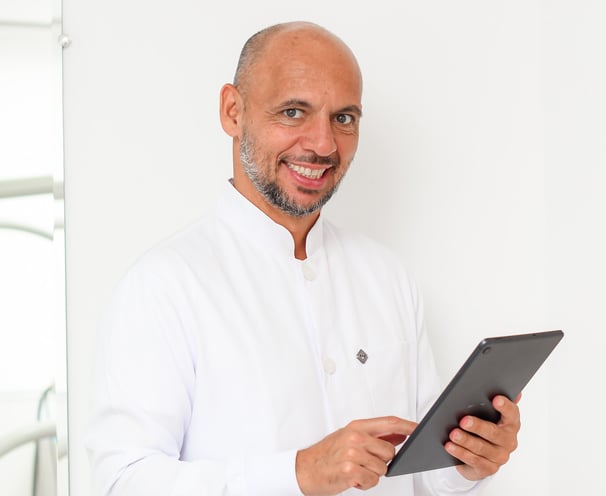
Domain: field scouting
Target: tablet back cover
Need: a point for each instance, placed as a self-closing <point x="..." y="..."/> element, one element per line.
<point x="498" y="365"/>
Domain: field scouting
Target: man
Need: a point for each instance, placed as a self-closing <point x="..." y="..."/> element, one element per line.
<point x="263" y="351"/>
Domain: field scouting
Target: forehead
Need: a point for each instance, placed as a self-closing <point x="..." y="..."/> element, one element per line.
<point x="310" y="65"/>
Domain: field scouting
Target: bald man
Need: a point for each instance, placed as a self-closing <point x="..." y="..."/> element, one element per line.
<point x="264" y="351"/>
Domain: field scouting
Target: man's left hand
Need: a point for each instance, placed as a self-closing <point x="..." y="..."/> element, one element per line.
<point x="484" y="446"/>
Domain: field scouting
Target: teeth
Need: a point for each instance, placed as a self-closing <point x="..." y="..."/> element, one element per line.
<point x="306" y="171"/>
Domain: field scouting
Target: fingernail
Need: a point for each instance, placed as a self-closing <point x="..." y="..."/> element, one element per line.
<point x="499" y="402"/>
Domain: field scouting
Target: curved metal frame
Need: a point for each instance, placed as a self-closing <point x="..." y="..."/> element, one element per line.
<point x="39" y="430"/>
<point x="26" y="434"/>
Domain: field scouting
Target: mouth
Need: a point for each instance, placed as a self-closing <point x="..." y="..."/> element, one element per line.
<point x="307" y="172"/>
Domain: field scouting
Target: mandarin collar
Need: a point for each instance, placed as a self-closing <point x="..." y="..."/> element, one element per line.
<point x="254" y="225"/>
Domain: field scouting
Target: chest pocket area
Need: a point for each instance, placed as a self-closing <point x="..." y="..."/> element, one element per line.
<point x="379" y="379"/>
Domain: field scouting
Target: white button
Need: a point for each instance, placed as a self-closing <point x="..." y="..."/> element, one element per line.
<point x="330" y="367"/>
<point x="308" y="273"/>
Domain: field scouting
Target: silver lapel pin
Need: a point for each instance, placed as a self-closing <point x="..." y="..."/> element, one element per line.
<point x="362" y="356"/>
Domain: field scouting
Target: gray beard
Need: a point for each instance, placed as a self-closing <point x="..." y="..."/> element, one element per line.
<point x="270" y="190"/>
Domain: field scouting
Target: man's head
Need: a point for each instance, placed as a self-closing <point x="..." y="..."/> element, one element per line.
<point x="293" y="111"/>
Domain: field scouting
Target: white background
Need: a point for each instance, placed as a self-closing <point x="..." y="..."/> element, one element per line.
<point x="481" y="163"/>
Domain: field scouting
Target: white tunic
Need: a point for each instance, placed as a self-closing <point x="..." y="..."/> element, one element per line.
<point x="222" y="355"/>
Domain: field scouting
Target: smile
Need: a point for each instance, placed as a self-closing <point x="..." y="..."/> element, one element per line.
<point x="306" y="171"/>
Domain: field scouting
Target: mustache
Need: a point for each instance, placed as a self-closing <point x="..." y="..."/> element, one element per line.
<point x="313" y="158"/>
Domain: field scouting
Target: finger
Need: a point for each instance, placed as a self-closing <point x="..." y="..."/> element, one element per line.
<point x="500" y="435"/>
<point x="365" y="479"/>
<point x="356" y="461"/>
<point x="382" y="449"/>
<point x="342" y="460"/>
<point x="364" y="449"/>
<point x="357" y="443"/>
<point x="355" y="473"/>
<point x="394" y="439"/>
<point x="510" y="412"/>
<point x="479" y="428"/>
<point x="384" y="434"/>
<point x="479" y="447"/>
<point x="384" y="426"/>
<point x="475" y="467"/>
<point x="376" y="462"/>
<point x="503" y="433"/>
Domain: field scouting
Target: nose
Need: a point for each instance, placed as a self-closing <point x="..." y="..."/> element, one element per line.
<point x="319" y="136"/>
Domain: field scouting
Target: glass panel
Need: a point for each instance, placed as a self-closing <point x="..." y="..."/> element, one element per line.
<point x="32" y="301"/>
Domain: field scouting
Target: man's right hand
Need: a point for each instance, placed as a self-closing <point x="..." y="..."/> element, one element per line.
<point x="354" y="456"/>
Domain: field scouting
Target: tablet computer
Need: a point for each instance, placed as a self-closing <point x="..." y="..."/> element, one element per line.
<point x="498" y="365"/>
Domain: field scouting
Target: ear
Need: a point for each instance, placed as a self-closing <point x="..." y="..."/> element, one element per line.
<point x="230" y="110"/>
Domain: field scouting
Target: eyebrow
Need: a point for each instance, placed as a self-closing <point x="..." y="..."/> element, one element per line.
<point x="351" y="109"/>
<point x="294" y="102"/>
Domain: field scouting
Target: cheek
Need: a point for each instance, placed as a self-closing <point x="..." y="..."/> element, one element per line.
<point x="347" y="146"/>
<point x="278" y="142"/>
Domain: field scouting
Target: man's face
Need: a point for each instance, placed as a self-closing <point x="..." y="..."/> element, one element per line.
<point x="300" y="125"/>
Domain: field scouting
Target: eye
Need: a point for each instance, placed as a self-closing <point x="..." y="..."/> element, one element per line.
<point x="344" y="118"/>
<point x="293" y="113"/>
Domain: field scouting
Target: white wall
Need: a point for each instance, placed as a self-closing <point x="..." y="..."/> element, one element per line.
<point x="468" y="157"/>
<point x="575" y="185"/>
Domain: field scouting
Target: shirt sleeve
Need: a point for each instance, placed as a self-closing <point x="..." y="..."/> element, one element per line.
<point x="142" y="400"/>
<point x="447" y="481"/>
<point x="263" y="476"/>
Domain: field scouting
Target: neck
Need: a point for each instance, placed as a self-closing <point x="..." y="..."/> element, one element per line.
<point x="298" y="227"/>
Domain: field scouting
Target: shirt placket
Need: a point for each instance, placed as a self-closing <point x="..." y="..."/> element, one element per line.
<point x="320" y="326"/>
